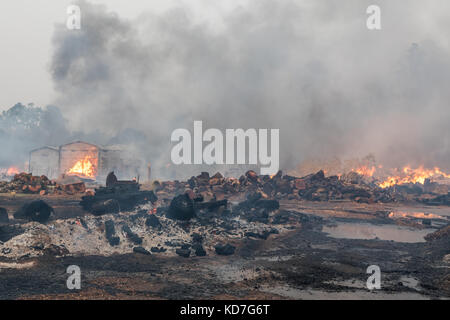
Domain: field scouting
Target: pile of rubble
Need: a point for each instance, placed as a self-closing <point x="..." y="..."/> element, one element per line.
<point x="126" y="220"/>
<point x="443" y="233"/>
<point x="27" y="183"/>
<point x="149" y="229"/>
<point x="438" y="200"/>
<point x="116" y="197"/>
<point x="36" y="210"/>
<point x="315" y="187"/>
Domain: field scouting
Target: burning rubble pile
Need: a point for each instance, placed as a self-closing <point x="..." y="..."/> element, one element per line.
<point x="27" y="183"/>
<point x="7" y="173"/>
<point x="314" y="187"/>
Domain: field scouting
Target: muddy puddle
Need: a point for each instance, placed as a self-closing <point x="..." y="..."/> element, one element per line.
<point x="313" y="294"/>
<point x="381" y="232"/>
<point x="426" y="218"/>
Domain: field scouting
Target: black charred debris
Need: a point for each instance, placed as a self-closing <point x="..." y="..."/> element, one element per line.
<point x="254" y="209"/>
<point x="183" y="252"/>
<point x="225" y="250"/>
<point x="158" y="249"/>
<point x="442" y="200"/>
<point x="117" y="196"/>
<point x="131" y="235"/>
<point x="153" y="221"/>
<point x="141" y="250"/>
<point x="38" y="211"/>
<point x="3" y="215"/>
<point x="110" y="233"/>
<point x="125" y="196"/>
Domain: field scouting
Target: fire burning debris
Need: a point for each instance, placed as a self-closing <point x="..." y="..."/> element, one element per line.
<point x="402" y="176"/>
<point x="383" y="176"/>
<point x="365" y="171"/>
<point x="86" y="167"/>
<point x="12" y="171"/>
<point x="409" y="175"/>
<point x="9" y="172"/>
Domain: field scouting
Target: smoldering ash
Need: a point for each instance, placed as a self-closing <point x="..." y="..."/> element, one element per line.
<point x="229" y="148"/>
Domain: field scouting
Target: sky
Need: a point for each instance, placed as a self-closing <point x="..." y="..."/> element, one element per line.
<point x="26" y="30"/>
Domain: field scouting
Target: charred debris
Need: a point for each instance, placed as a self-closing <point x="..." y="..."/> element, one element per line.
<point x="202" y="194"/>
<point x="213" y="211"/>
<point x="211" y="190"/>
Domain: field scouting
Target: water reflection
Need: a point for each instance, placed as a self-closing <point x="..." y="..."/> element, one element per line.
<point x="382" y="232"/>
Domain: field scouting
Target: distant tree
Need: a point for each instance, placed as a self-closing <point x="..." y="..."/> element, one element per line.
<point x="25" y="127"/>
<point x="21" y="117"/>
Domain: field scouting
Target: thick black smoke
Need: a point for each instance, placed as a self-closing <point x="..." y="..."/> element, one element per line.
<point x="309" y="68"/>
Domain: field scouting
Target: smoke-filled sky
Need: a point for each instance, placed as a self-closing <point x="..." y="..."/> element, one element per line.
<point x="310" y="68"/>
<point x="27" y="27"/>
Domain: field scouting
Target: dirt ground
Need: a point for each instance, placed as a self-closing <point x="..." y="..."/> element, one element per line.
<point x="325" y="257"/>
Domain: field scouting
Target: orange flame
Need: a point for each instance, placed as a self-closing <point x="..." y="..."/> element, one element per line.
<point x="365" y="171"/>
<point x="12" y="171"/>
<point x="83" y="167"/>
<point x="409" y="175"/>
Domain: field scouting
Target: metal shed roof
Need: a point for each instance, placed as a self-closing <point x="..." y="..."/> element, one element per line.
<point x="83" y="142"/>
<point x="45" y="147"/>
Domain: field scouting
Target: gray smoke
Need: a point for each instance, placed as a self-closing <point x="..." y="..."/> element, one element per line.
<point x="309" y="68"/>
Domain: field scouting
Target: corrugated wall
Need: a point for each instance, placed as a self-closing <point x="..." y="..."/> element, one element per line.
<point x="45" y="162"/>
<point x="54" y="162"/>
